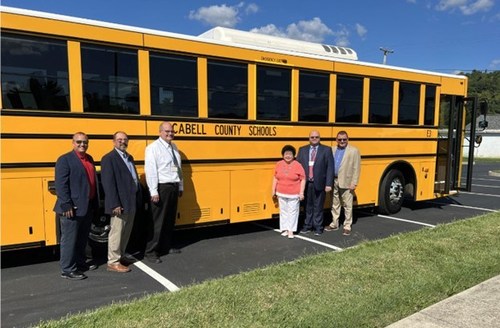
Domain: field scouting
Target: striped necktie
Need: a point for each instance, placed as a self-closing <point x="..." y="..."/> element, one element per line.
<point x="311" y="166"/>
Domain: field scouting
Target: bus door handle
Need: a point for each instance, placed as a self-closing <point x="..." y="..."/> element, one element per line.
<point x="52" y="187"/>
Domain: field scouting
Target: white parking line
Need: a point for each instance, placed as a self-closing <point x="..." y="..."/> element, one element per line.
<point x="156" y="276"/>
<point x="304" y="238"/>
<point x="479" y="194"/>
<point x="404" y="220"/>
<point x="317" y="242"/>
<point x="465" y="206"/>
<point x="483" y="179"/>
<point x="487" y="186"/>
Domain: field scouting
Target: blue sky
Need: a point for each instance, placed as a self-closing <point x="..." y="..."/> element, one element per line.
<point x="440" y="35"/>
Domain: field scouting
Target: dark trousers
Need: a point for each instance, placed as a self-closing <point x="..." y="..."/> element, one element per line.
<point x="74" y="237"/>
<point x="315" y="200"/>
<point x="162" y="223"/>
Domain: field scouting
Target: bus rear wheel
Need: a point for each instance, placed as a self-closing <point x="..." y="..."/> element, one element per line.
<point x="391" y="193"/>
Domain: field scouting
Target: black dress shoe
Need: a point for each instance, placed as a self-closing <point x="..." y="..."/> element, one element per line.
<point x="155" y="260"/>
<point x="93" y="267"/>
<point x="128" y="257"/>
<point x="75" y="275"/>
<point x="87" y="267"/>
<point x="174" y="251"/>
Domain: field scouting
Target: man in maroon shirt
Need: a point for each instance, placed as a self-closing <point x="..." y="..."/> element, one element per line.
<point x="77" y="202"/>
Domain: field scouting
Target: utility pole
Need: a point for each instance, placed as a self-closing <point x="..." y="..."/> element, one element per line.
<point x="385" y="51"/>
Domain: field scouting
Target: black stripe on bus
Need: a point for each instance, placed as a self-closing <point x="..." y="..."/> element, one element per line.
<point x="213" y="161"/>
<point x="35" y="244"/>
<point x="49" y="136"/>
<point x="159" y="119"/>
<point x="200" y="138"/>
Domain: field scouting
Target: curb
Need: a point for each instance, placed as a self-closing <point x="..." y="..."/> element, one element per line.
<point x="474" y="307"/>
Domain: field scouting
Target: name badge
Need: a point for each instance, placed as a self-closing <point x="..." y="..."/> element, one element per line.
<point x="311" y="163"/>
<point x="174" y="169"/>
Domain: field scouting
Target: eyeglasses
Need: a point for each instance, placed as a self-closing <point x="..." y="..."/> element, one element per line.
<point x="79" y="142"/>
<point x="314" y="137"/>
<point x="345" y="139"/>
<point x="169" y="131"/>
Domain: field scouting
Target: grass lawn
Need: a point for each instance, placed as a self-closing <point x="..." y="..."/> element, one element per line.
<point x="371" y="285"/>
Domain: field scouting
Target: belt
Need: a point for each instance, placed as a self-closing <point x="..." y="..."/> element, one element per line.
<point x="170" y="183"/>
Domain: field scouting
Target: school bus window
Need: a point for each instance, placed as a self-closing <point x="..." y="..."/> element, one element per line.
<point x="409" y="103"/>
<point x="313" y="97"/>
<point x="34" y="73"/>
<point x="227" y="90"/>
<point x="174" y="85"/>
<point x="430" y="104"/>
<point x="349" y="101"/>
<point x="273" y="93"/>
<point x="110" y="80"/>
<point x="380" y="106"/>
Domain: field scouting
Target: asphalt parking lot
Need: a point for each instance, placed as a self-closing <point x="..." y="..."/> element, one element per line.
<point x="32" y="289"/>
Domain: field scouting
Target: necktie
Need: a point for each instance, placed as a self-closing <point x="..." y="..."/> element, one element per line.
<point x="130" y="167"/>
<point x="176" y="163"/>
<point x="311" y="165"/>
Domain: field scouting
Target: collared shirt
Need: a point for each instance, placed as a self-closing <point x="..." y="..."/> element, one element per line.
<point x="126" y="159"/>
<point x="159" y="165"/>
<point x="90" y="170"/>
<point x="311" y="149"/>
<point x="338" y="156"/>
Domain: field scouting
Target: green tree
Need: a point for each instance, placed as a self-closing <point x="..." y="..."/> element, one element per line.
<point x="486" y="86"/>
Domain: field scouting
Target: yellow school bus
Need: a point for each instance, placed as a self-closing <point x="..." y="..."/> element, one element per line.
<point x="235" y="99"/>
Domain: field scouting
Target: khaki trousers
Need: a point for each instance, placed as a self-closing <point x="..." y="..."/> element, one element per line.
<point x="121" y="227"/>
<point x="341" y="198"/>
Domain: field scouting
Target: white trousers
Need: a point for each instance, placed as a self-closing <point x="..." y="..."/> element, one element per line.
<point x="289" y="213"/>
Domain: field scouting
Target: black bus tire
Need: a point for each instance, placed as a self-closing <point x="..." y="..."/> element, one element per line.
<point x="391" y="192"/>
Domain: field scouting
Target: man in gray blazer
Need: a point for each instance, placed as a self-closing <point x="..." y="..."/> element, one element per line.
<point x="317" y="161"/>
<point x="76" y="204"/>
<point x="122" y="196"/>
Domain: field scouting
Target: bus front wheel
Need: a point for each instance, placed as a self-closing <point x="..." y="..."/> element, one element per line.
<point x="391" y="193"/>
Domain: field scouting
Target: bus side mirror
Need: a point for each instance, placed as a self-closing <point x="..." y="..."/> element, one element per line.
<point x="483" y="110"/>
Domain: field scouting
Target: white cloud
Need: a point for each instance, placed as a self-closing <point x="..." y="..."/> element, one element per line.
<point x="269" y="29"/>
<point x="495" y="64"/>
<point x="361" y="30"/>
<point x="313" y="30"/>
<point x="222" y="15"/>
<point x="342" y="36"/>
<point x="251" y="9"/>
<point x="467" y="7"/>
<point x="480" y="5"/>
<point x="444" y="5"/>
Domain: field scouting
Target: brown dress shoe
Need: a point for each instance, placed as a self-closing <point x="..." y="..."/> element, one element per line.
<point x="346" y="232"/>
<point x="118" y="267"/>
<point x="330" y="228"/>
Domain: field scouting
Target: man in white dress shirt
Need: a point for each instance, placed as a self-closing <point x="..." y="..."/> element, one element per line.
<point x="164" y="180"/>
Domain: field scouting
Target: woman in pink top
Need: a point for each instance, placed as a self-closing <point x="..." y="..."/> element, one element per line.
<point x="288" y="185"/>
